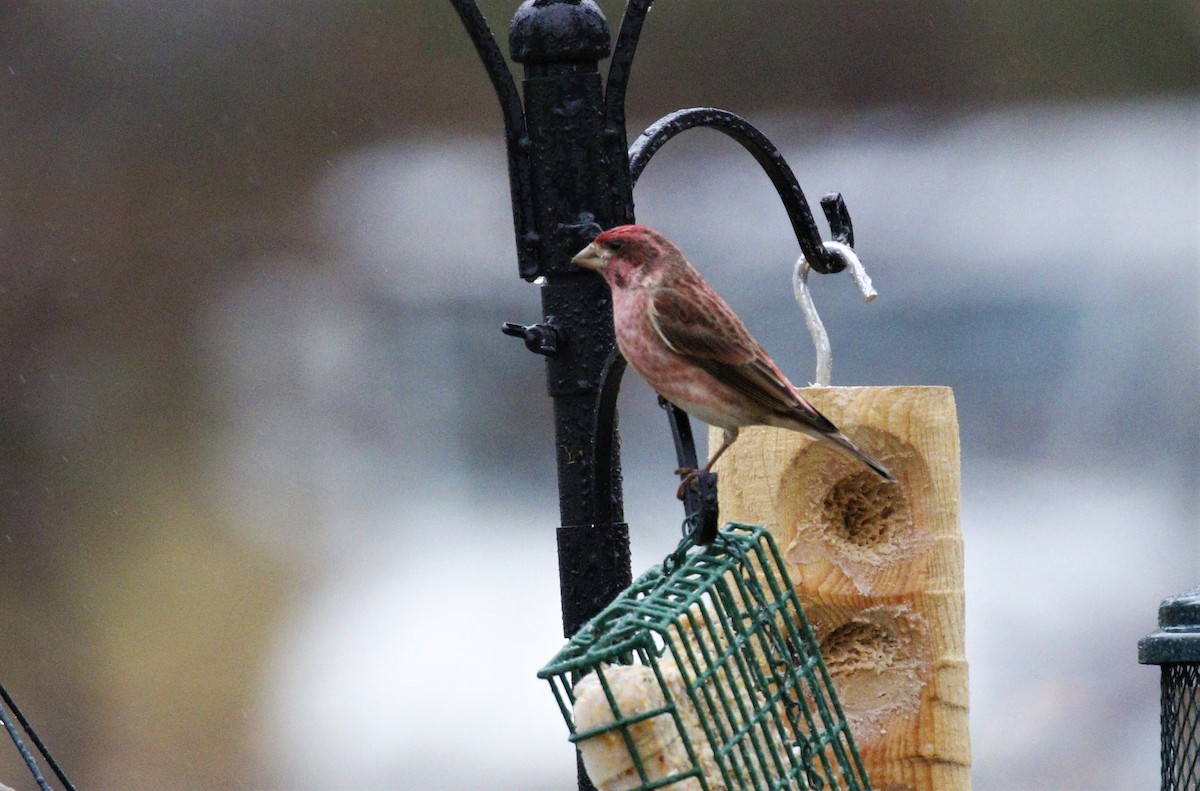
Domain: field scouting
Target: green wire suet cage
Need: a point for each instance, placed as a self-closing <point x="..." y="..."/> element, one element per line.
<point x="704" y="674"/>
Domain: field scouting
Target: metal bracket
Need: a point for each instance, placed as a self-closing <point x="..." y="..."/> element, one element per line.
<point x="540" y="339"/>
<point x="700" y="498"/>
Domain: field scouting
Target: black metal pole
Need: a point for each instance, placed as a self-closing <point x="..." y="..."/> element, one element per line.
<point x="574" y="176"/>
<point x="569" y="174"/>
<point x="571" y="177"/>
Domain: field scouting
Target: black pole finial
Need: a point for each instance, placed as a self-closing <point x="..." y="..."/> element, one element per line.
<point x="556" y="31"/>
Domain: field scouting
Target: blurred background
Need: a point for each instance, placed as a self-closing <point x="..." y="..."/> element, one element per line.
<point x="277" y="499"/>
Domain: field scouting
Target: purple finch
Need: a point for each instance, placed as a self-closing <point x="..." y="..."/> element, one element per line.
<point x="690" y="346"/>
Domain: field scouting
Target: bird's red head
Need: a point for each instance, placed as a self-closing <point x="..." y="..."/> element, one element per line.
<point x="625" y="254"/>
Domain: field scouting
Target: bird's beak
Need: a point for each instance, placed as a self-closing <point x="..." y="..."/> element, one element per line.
<point x="591" y="257"/>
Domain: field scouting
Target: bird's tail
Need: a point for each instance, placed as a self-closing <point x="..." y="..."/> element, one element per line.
<point x="839" y="439"/>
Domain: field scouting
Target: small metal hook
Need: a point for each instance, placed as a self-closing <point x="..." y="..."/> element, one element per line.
<point x="838" y="216"/>
<point x="816" y="328"/>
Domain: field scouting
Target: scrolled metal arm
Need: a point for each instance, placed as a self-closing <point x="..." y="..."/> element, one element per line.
<point x="520" y="175"/>
<point x="763" y="151"/>
<point x="605" y="434"/>
<point x="700" y="505"/>
<point x="622" y="61"/>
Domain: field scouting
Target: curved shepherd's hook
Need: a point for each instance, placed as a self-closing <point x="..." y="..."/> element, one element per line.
<point x="604" y="433"/>
<point x="619" y="69"/>
<point x="520" y="176"/>
<point x="622" y="59"/>
<point x="700" y="502"/>
<point x="764" y="152"/>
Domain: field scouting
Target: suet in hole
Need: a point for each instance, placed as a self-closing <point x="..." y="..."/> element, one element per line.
<point x="878" y="660"/>
<point x="859" y="645"/>
<point x="866" y="511"/>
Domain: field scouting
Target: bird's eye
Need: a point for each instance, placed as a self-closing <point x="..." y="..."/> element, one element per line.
<point x="615" y="245"/>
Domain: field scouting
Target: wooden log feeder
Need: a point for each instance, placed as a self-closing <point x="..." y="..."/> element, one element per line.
<point x="878" y="568"/>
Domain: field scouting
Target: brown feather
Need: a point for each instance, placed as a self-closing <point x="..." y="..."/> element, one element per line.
<point x="710" y="335"/>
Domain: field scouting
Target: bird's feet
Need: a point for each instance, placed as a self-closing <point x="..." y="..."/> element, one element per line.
<point x="690" y="474"/>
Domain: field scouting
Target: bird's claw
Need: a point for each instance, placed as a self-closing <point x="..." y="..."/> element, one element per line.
<point x="690" y="476"/>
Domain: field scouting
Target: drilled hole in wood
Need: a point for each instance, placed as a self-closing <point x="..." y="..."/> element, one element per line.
<point x="879" y="662"/>
<point x="865" y="510"/>
<point x="857" y="646"/>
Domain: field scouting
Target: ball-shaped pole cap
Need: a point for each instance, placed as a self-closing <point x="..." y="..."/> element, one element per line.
<point x="553" y="31"/>
<point x="1178" y="636"/>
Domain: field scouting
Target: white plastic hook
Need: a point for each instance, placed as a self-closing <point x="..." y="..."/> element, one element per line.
<point x="816" y="329"/>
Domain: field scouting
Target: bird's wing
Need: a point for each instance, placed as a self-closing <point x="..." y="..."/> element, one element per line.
<point x="705" y="330"/>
